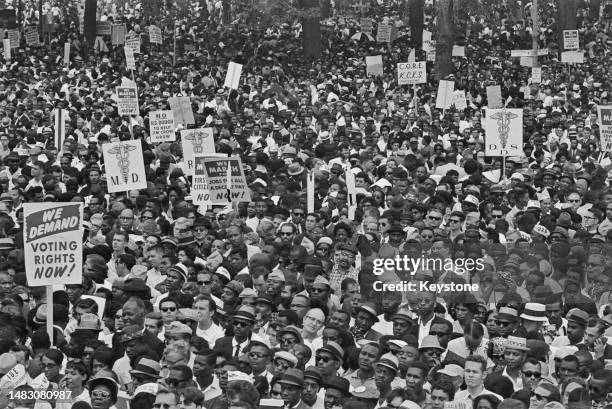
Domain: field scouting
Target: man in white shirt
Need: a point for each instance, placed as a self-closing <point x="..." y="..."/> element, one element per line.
<point x="475" y="372"/>
<point x="207" y="329"/>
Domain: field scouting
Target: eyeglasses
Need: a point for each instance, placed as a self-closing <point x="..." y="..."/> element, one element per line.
<point x="438" y="334"/>
<point x="168" y="309"/>
<point x="497" y="216"/>
<point x="199" y="229"/>
<point x="455" y="221"/>
<point x="538" y="396"/>
<point x="536" y="375"/>
<point x="593" y="265"/>
<point x="298" y="214"/>
<point x="100" y="394"/>
<point x="207" y="282"/>
<point x="284" y="233"/>
<point x="325" y="359"/>
<point x="161" y="405"/>
<point x="502" y="323"/>
<point x="434" y="218"/>
<point x="241" y="324"/>
<point x="173" y="381"/>
<point x="287" y="340"/>
<point x="257" y="355"/>
<point x="573" y="200"/>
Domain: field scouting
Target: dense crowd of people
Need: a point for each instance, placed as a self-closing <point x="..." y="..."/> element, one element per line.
<point x="347" y="303"/>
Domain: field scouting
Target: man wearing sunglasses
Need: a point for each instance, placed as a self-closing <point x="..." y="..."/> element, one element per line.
<point x="242" y="322"/>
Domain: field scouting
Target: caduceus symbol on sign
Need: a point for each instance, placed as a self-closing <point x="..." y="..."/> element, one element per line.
<point x="197" y="141"/>
<point x="503" y="119"/>
<point x="122" y="154"/>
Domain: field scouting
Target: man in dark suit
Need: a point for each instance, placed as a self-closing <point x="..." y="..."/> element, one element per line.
<point x="242" y="321"/>
<point x="425" y="303"/>
<point x="292" y="384"/>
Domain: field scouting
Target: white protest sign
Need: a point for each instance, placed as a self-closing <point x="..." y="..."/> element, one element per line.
<point x="104" y="28"/>
<point x="310" y="192"/>
<point x="15" y="38"/>
<point x="196" y="142"/>
<point x="411" y="73"/>
<point x="31" y="36"/>
<point x="572" y="57"/>
<point x="412" y="56"/>
<point x="124" y="166"/>
<point x="53" y="243"/>
<point x="66" y="54"/>
<point x="130" y="60"/>
<point x="155" y="35"/>
<point x="374" y="65"/>
<point x="13" y="378"/>
<point x="6" y="45"/>
<point x="536" y="75"/>
<point x="458" y="51"/>
<point x="181" y="106"/>
<point x="384" y="33"/>
<point x="604" y="113"/>
<point x="504" y="132"/>
<point x="494" y="97"/>
<point x="161" y="126"/>
<point x="444" y="98"/>
<point x="570" y="40"/>
<point x="232" y="78"/>
<point x="527" y="53"/>
<point x="367" y="26"/>
<point x="133" y="41"/>
<point x="459" y="100"/>
<point x="216" y="173"/>
<point x="118" y="32"/>
<point x="127" y="100"/>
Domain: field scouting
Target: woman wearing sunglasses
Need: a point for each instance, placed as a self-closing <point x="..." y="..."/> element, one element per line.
<point x="103" y="392"/>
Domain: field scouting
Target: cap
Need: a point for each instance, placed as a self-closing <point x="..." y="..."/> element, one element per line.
<point x="333" y="349"/>
<point x="578" y="316"/>
<point x="287" y="356"/>
<point x="293" y="376"/>
<point x="178" y="328"/>
<point x="245" y="313"/>
<point x="370" y="308"/>
<point x="519" y="343"/>
<point x="452" y="370"/>
<point x="390" y="361"/>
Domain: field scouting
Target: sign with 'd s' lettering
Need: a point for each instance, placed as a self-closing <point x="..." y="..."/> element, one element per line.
<point x="411" y="73"/>
<point x="216" y="173"/>
<point x="161" y="126"/>
<point x="504" y="132"/>
<point x="604" y="113"/>
<point x="196" y="142"/>
<point x="124" y="166"/>
<point x="53" y="243"/>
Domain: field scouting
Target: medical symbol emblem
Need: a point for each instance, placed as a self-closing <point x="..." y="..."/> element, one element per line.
<point x="503" y="119"/>
<point x="122" y="154"/>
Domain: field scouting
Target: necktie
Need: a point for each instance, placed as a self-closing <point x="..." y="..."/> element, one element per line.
<point x="237" y="351"/>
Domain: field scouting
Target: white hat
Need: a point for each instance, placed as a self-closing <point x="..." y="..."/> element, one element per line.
<point x="452" y="370"/>
<point x="534" y="312"/>
<point x="518" y="176"/>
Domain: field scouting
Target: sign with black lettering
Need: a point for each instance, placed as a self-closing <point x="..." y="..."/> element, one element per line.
<point x="124" y="166"/>
<point x="216" y="174"/>
<point x="411" y="73"/>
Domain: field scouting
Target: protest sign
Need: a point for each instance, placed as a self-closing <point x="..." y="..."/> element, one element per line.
<point x="367" y="26"/>
<point x="411" y="73"/>
<point x="504" y="132"/>
<point x="536" y="75"/>
<point x="130" y="60"/>
<point x="384" y="32"/>
<point x="459" y="100"/>
<point x="104" y="28"/>
<point x="15" y="38"/>
<point x="53" y="243"/>
<point x="161" y="126"/>
<point x="155" y="35"/>
<point x="494" y="97"/>
<point x="604" y="113"/>
<point x="6" y="45"/>
<point x="216" y="173"/>
<point x="133" y="41"/>
<point x="444" y="98"/>
<point x="13" y="378"/>
<point x="527" y="53"/>
<point x="232" y="78"/>
<point x="570" y="40"/>
<point x="127" y="100"/>
<point x="458" y="51"/>
<point x="32" y="37"/>
<point x="196" y="142"/>
<point x="200" y="195"/>
<point x="66" y="54"/>
<point x="181" y="106"/>
<point x="124" y="166"/>
<point x="118" y="32"/>
<point x="572" y="57"/>
<point x="374" y="65"/>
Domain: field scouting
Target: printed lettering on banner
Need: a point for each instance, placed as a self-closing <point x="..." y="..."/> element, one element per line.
<point x="374" y="65"/>
<point x="459" y="100"/>
<point x="6" y="45"/>
<point x="367" y="25"/>
<point x="572" y="57"/>
<point x="133" y="41"/>
<point x="570" y="40"/>
<point x="216" y="173"/>
<point x="104" y="28"/>
<point x="127" y="100"/>
<point x="118" y="32"/>
<point x="411" y="73"/>
<point x="604" y="113"/>
<point x="53" y="243"/>
<point x="161" y="126"/>
<point x="130" y="60"/>
<point x="536" y="75"/>
<point x="155" y="35"/>
<point x="32" y="37"/>
<point x="494" y="97"/>
<point x="124" y="166"/>
<point x="181" y="106"/>
<point x="384" y="33"/>
<point x="232" y="78"/>
<point x="503" y="132"/>
<point x="200" y="194"/>
<point x="196" y="142"/>
<point x="15" y="38"/>
<point x="444" y="98"/>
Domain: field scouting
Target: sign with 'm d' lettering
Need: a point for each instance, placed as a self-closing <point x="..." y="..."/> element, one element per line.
<point x="124" y="166"/>
<point x="53" y="243"/>
<point x="604" y="113"/>
<point x="216" y="173"/>
<point x="161" y="126"/>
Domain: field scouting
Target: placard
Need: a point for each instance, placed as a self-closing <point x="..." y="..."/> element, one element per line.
<point x="161" y="126"/>
<point x="15" y="38"/>
<point x="494" y="97"/>
<point x="133" y="41"/>
<point x="503" y="132"/>
<point x="383" y="35"/>
<point x="196" y="142"/>
<point x="183" y="113"/>
<point x="216" y="172"/>
<point x="536" y="75"/>
<point x="570" y="40"/>
<point x="367" y="25"/>
<point x="118" y="32"/>
<point x="232" y="78"/>
<point x="458" y="51"/>
<point x="604" y="113"/>
<point x="155" y="35"/>
<point x="6" y="46"/>
<point x="200" y="195"/>
<point x="124" y="166"/>
<point x="104" y="28"/>
<point x="459" y="100"/>
<point x="53" y="243"/>
<point x="32" y="37"/>
<point x="572" y="57"/>
<point x="374" y="65"/>
<point x="444" y="98"/>
<point x="130" y="60"/>
<point x="127" y="100"/>
<point x="66" y="54"/>
<point x="528" y="53"/>
<point x="411" y="73"/>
